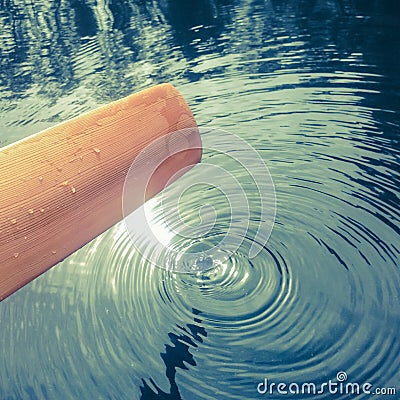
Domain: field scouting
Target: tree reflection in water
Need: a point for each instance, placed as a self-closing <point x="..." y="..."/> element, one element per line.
<point x="176" y="356"/>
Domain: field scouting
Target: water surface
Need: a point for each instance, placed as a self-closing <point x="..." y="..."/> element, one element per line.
<point x="314" y="86"/>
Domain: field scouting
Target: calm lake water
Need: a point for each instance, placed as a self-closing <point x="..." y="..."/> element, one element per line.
<point x="314" y="86"/>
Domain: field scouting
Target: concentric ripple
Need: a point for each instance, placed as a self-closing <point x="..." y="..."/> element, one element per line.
<point x="231" y="191"/>
<point x="313" y="87"/>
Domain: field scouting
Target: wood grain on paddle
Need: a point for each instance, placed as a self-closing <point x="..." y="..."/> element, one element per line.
<point x="63" y="187"/>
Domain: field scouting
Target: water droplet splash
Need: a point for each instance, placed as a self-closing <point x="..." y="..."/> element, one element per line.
<point x="204" y="263"/>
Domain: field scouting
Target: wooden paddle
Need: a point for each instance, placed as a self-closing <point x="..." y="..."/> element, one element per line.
<point x="62" y="187"/>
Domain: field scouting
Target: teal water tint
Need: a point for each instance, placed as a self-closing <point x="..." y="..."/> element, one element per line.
<point x="314" y="86"/>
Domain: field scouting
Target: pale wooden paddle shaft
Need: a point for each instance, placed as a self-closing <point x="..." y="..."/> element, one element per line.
<point x="63" y="187"/>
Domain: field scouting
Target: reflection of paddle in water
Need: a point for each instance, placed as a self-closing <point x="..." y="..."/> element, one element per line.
<point x="174" y="357"/>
